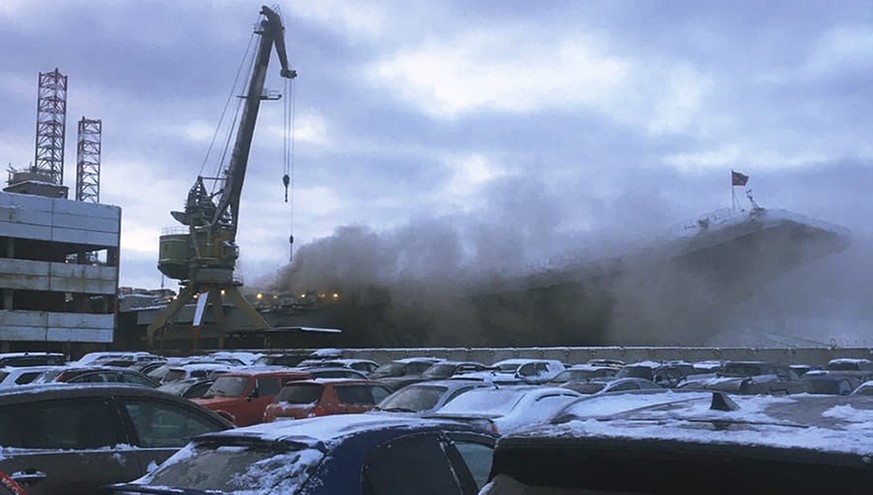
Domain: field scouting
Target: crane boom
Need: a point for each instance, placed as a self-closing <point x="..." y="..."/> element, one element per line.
<point x="272" y="34"/>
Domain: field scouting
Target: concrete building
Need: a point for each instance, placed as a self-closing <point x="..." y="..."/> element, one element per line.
<point x="58" y="271"/>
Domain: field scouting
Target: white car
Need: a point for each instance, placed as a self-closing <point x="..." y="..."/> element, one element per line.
<point x="506" y="409"/>
<point x="15" y="377"/>
<point x="200" y="370"/>
<point x="529" y="370"/>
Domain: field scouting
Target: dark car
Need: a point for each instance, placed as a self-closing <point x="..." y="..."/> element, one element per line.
<point x="441" y="370"/>
<point x="99" y="375"/>
<point x="756" y="377"/>
<point x="425" y="397"/>
<point x="590" y="387"/>
<point x="191" y="388"/>
<point x="582" y="372"/>
<point x="401" y="372"/>
<point x="712" y="444"/>
<point x="667" y="374"/>
<point x="347" y="454"/>
<point x="71" y="439"/>
<point x="17" y="359"/>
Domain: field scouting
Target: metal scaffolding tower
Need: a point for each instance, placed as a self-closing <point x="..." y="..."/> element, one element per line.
<point x="88" y="160"/>
<point x="51" y="120"/>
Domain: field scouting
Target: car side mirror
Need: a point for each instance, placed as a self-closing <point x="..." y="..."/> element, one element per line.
<point x="254" y="394"/>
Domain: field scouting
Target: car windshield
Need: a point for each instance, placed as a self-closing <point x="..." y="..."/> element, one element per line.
<point x="176" y="388"/>
<point x="844" y="366"/>
<point x="571" y="375"/>
<point x="390" y="369"/>
<point x="413" y="398"/>
<point x="227" y="386"/>
<point x="440" y="371"/>
<point x="491" y="402"/>
<point x="589" y="387"/>
<point x="175" y="375"/>
<point x="301" y="393"/>
<point x="237" y="469"/>
<point x="635" y="372"/>
<point x="508" y="367"/>
<point x="743" y="369"/>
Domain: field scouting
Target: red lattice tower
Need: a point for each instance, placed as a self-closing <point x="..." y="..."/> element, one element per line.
<point x="51" y="121"/>
<point x="88" y="160"/>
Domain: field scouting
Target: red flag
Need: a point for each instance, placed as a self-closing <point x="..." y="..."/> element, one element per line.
<point x="738" y="179"/>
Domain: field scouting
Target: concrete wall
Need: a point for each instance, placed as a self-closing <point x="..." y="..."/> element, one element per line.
<point x="57" y="277"/>
<point x="42" y="326"/>
<point x="814" y="356"/>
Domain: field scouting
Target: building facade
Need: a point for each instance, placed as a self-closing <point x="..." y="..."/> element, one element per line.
<point x="58" y="272"/>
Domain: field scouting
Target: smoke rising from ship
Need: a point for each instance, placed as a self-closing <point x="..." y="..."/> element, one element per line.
<point x="453" y="280"/>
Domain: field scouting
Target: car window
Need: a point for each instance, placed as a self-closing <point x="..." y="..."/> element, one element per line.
<point x="361" y="394"/>
<point x="300" y="393"/>
<point x="60" y="424"/>
<point x="89" y="378"/>
<point x="417" y="368"/>
<point x="268" y="386"/>
<point x="624" y="387"/>
<point x="527" y="370"/>
<point x="25" y="378"/>
<point x="411" y="464"/>
<point x="478" y="458"/>
<point x="136" y="379"/>
<point x="164" y="424"/>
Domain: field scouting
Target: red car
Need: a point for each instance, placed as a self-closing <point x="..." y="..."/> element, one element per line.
<point x="306" y="399"/>
<point x="242" y="396"/>
<point x="8" y="486"/>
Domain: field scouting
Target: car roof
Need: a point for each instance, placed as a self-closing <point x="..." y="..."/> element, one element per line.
<point x="247" y="372"/>
<point x="836" y="424"/>
<point x="334" y="381"/>
<point x="312" y="431"/>
<point x="26" y="393"/>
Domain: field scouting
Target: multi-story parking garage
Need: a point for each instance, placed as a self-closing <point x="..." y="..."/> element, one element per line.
<point x="58" y="267"/>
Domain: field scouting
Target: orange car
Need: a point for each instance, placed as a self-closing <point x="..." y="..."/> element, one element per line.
<point x="309" y="398"/>
<point x="242" y="396"/>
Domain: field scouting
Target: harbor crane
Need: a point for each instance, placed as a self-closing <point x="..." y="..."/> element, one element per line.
<point x="203" y="258"/>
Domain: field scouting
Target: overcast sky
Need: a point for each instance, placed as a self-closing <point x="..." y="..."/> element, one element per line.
<point x="543" y="123"/>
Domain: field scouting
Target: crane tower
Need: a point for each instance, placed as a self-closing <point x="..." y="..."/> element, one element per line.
<point x="203" y="257"/>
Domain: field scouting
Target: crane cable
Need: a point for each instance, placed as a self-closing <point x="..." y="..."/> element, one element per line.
<point x="230" y="96"/>
<point x="288" y="156"/>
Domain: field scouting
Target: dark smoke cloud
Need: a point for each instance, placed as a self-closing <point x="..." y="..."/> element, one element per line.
<point x="432" y="272"/>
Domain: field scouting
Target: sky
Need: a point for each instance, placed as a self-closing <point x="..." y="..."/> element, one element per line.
<point x="518" y="130"/>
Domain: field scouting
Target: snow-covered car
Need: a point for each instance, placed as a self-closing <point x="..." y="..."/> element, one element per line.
<point x="506" y="409"/>
<point x="532" y="371"/>
<point x="366" y="366"/>
<point x="582" y="372"/>
<point x="402" y="372"/>
<point x="714" y="444"/>
<point x="831" y="382"/>
<point x="865" y="388"/>
<point x="356" y="454"/>
<point x="756" y="377"/>
<point x="665" y="373"/>
<point x="14" y="377"/>
<point x="590" y="387"/>
<point x="199" y="370"/>
<point x="190" y="388"/>
<point x="425" y="397"/>
<point x="609" y="404"/>
<point x="72" y="439"/>
<point x="19" y="359"/>
<point x="311" y="398"/>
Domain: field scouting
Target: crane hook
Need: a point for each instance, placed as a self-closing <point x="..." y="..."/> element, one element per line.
<point x="286" y="179"/>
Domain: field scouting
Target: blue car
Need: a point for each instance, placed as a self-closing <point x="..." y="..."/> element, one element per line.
<point x="347" y="454"/>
